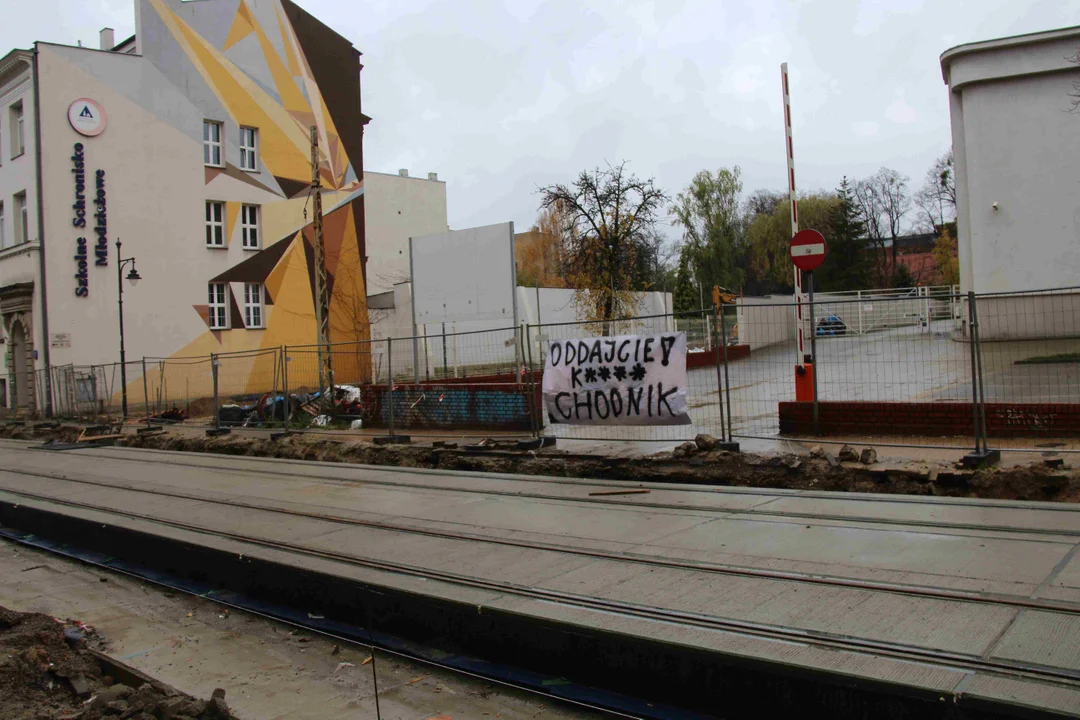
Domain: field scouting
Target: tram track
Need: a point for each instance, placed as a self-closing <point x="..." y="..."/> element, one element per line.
<point x="644" y="504"/>
<point x="922" y="591"/>
<point x="910" y="653"/>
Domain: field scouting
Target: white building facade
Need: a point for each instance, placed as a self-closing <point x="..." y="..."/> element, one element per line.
<point x="399" y="207"/>
<point x="1016" y="139"/>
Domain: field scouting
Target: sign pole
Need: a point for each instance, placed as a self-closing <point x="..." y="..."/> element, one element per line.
<point x="808" y="249"/>
<point x="813" y="345"/>
<point x="719" y="318"/>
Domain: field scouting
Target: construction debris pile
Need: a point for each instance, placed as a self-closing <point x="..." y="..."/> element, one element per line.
<point x="49" y="672"/>
<point x="345" y="402"/>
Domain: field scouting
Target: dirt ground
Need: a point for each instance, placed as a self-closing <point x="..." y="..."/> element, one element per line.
<point x="689" y="463"/>
<point x="47" y="672"/>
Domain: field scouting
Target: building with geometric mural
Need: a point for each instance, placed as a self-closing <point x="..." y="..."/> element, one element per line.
<point x="189" y="142"/>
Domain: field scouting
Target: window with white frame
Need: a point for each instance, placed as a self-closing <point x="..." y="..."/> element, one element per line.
<point x="212" y="151"/>
<point x="3" y="230"/>
<point x="253" y="305"/>
<point x="18" y="140"/>
<point x="249" y="138"/>
<point x="249" y="226"/>
<point x="215" y="223"/>
<point x="218" y="307"/>
<point x="22" y="224"/>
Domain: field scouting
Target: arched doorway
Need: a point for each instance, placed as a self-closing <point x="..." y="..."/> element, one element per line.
<point x="21" y="388"/>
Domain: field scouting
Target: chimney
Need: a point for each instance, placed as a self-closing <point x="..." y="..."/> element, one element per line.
<point x="433" y="176"/>
<point x="107" y="42"/>
<point x="403" y="172"/>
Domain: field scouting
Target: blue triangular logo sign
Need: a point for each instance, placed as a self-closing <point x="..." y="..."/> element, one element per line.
<point x="86" y="112"/>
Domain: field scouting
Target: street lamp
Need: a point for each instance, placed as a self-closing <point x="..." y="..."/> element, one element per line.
<point x="133" y="277"/>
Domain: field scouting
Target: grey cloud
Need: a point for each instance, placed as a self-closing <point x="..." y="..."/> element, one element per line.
<point x="500" y="97"/>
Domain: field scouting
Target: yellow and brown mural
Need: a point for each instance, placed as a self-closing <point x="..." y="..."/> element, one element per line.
<point x="267" y="64"/>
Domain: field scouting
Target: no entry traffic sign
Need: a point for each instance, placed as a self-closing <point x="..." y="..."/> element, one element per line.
<point x="808" y="250"/>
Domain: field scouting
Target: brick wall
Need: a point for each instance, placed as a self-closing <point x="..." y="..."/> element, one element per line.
<point x="930" y="419"/>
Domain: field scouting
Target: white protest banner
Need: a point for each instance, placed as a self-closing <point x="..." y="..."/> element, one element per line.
<point x="624" y="380"/>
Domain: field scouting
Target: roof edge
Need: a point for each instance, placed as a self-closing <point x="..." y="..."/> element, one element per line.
<point x="1034" y="38"/>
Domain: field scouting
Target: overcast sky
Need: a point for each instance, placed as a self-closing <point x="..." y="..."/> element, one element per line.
<point x="502" y="97"/>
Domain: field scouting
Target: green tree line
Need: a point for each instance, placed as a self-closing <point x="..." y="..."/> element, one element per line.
<point x="601" y="235"/>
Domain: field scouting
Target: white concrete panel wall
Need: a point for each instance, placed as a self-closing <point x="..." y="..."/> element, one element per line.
<point x="395" y="209"/>
<point x="465" y="275"/>
<point x="764" y="321"/>
<point x="486" y="341"/>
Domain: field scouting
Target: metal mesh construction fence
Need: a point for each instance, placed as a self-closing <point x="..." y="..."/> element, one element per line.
<point x="913" y="352"/>
<point x="922" y="367"/>
<point x="438" y="384"/>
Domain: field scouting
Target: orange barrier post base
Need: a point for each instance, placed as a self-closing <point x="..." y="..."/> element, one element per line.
<point x="804" y="383"/>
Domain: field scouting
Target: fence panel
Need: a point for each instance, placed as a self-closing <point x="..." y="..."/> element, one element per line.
<point x="248" y="385"/>
<point x="905" y="378"/>
<point x="174" y="389"/>
<point x="1029" y="348"/>
<point x="434" y="384"/>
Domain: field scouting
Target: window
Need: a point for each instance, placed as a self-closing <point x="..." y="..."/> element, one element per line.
<point x="22" y="227"/>
<point x="218" y="307"/>
<point x="211" y="136"/>
<point x="248" y="149"/>
<point x="3" y="233"/>
<point x="249" y="226"/>
<point x="215" y="224"/>
<point x="253" y="305"/>
<point x="18" y="140"/>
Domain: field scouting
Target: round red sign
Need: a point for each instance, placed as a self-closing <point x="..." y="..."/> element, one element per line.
<point x="808" y="249"/>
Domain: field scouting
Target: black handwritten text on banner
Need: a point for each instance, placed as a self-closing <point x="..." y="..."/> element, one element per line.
<point x="624" y="380"/>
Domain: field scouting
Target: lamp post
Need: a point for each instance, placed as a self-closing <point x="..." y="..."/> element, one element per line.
<point x="133" y="277"/>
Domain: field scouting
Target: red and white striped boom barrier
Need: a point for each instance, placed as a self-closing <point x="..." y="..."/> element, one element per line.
<point x="790" y="148"/>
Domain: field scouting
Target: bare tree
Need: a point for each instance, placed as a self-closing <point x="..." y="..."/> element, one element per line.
<point x="609" y="218"/>
<point x="936" y="199"/>
<point x="884" y="202"/>
<point x="762" y="202"/>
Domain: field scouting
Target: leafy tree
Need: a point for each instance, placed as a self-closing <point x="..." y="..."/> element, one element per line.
<point x="708" y="212"/>
<point x="609" y="226"/>
<point x="945" y="260"/>
<point x="768" y="239"/>
<point x="847" y="266"/>
<point x="902" y="277"/>
<point x="686" y="295"/>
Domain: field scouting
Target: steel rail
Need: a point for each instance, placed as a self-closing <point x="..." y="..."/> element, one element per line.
<point x="1026" y="602"/>
<point x="752" y="511"/>
<point x="900" y="651"/>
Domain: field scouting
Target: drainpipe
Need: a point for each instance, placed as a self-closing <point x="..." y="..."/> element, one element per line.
<point x="41" y="239"/>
